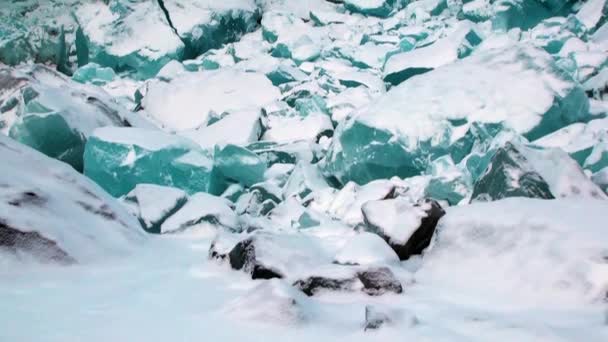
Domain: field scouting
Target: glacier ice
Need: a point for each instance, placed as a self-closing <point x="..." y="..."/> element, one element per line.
<point x="47" y="111"/>
<point x="119" y="158"/>
<point x="397" y="133"/>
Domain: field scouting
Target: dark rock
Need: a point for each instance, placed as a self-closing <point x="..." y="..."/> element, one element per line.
<point x="420" y="239"/>
<point x="377" y="281"/>
<point x="242" y="257"/>
<point x="312" y="285"/>
<point x="43" y="249"/>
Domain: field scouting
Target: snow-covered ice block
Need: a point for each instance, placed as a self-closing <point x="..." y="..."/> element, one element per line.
<point x="237" y="164"/>
<point x="407" y="227"/>
<point x="366" y="249"/>
<point x="50" y="213"/>
<point x="208" y="24"/>
<point x="202" y="208"/>
<point x="120" y="158"/>
<point x="55" y="115"/>
<point x="525" y="171"/>
<point x="153" y="204"/>
<point x="399" y="132"/>
<point x="551" y="252"/>
<point x="132" y="36"/>
<point x="458" y="44"/>
<point x="186" y="102"/>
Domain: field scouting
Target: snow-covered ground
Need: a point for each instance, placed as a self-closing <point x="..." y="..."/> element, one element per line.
<point x="169" y="290"/>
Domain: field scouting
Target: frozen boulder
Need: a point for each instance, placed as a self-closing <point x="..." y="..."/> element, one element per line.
<point x="407" y="227"/>
<point x="239" y="128"/>
<point x="218" y="91"/>
<point x="266" y="255"/>
<point x="55" y="115"/>
<point x="128" y="36"/>
<point x="377" y="8"/>
<point x="520" y="171"/>
<point x="50" y="213"/>
<point x="458" y="44"/>
<point x="202" y="208"/>
<point x="237" y="164"/>
<point x="153" y="204"/>
<point x="207" y="24"/>
<point x="397" y="134"/>
<point x="120" y="158"/>
<point x="525" y="14"/>
<point x="366" y="249"/>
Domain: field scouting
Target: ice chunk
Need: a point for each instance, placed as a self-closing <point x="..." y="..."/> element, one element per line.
<point x="238" y="165"/>
<point x="286" y="153"/>
<point x="526" y="14"/>
<point x="598" y="158"/>
<point x="238" y="128"/>
<point x="94" y="74"/>
<point x="477" y="10"/>
<point x="459" y="44"/>
<point x="448" y="182"/>
<point x="282" y="129"/>
<point x="577" y="139"/>
<point x="208" y="24"/>
<point x="366" y="249"/>
<point x="399" y="132"/>
<point x="541" y="251"/>
<point x="202" y="208"/>
<point x="153" y="204"/>
<point x="346" y="204"/>
<point x="592" y="12"/>
<point x="132" y="36"/>
<point x="217" y="91"/>
<point x="377" y="8"/>
<point x="521" y="171"/>
<point x="120" y="158"/>
<point x="304" y="179"/>
<point x="49" y="112"/>
<point x="50" y="213"/>
<point x="39" y="32"/>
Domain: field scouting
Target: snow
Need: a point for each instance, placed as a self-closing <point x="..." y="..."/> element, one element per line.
<point x="283" y="129"/>
<point x="366" y="249"/>
<point x="441" y="94"/>
<point x="226" y="90"/>
<point x="40" y="194"/>
<point x="151" y="140"/>
<point x="154" y="202"/>
<point x="239" y="128"/>
<point x="538" y="252"/>
<point x="143" y="31"/>
<point x="591" y="13"/>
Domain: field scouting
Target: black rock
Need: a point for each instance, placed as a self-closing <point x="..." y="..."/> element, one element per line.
<point x="312" y="285"/>
<point x="379" y="280"/>
<point x="375" y="281"/>
<point x="243" y="257"/>
<point x="420" y="239"/>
